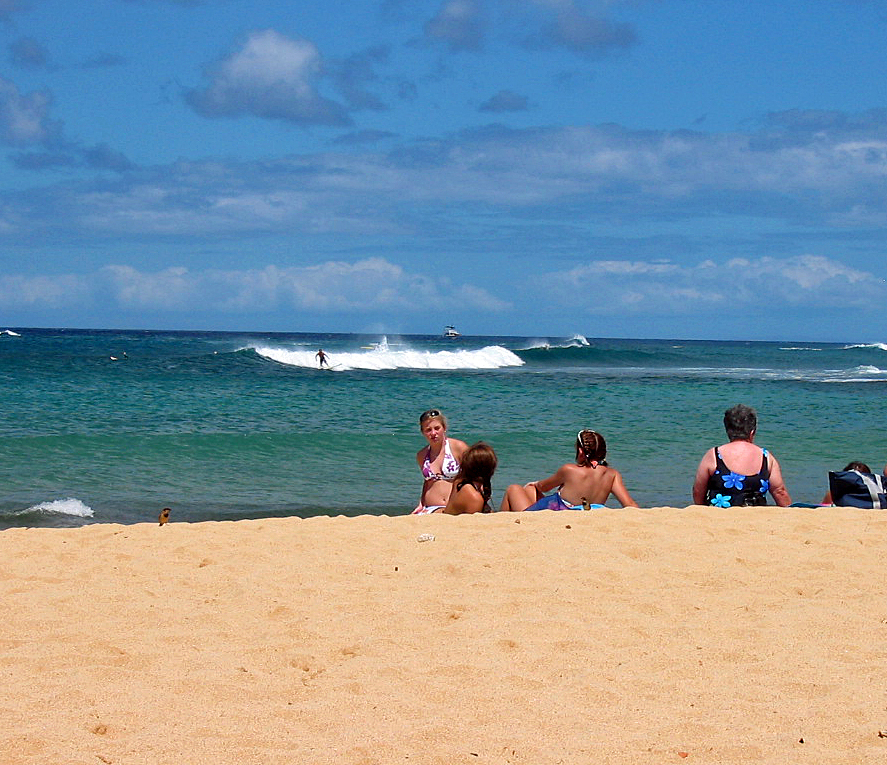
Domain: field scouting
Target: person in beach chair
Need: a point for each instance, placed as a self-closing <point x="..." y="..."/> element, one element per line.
<point x="581" y="485"/>
<point x="739" y="473"/>
<point x="471" y="488"/>
<point x="856" y="486"/>
<point x="439" y="462"/>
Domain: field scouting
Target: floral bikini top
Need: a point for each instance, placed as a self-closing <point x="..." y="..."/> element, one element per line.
<point x="449" y="468"/>
<point x="729" y="489"/>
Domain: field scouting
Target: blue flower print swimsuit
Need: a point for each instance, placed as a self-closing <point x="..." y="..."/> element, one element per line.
<point x="729" y="489"/>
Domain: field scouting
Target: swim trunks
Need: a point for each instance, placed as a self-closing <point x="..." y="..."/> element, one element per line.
<point x="556" y="502"/>
<point x="729" y="489"/>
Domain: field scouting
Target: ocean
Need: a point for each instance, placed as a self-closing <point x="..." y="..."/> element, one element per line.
<point x="108" y="426"/>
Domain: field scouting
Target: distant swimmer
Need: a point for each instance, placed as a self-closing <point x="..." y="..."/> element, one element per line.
<point x="321" y="358"/>
<point x="164" y="515"/>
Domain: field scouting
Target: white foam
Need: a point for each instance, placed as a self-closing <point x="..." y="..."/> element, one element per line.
<point x="69" y="506"/>
<point x="867" y="369"/>
<point x="879" y="346"/>
<point x="9" y="332"/>
<point x="538" y="344"/>
<point x="862" y="374"/>
<point x="381" y="358"/>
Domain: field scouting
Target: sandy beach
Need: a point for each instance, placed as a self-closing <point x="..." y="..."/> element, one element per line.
<point x="618" y="636"/>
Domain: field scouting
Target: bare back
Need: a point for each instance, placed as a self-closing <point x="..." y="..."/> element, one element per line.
<point x="742" y="457"/>
<point x="595" y="484"/>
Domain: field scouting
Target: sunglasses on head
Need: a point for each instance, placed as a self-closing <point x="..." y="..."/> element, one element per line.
<point x="429" y="413"/>
<point x="579" y="439"/>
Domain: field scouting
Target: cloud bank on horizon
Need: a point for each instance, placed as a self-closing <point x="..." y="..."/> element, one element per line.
<point x="645" y="168"/>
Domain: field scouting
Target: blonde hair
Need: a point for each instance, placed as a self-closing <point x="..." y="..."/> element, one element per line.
<point x="432" y="414"/>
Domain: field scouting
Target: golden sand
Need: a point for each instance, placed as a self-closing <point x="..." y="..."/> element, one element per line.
<point x="617" y="636"/>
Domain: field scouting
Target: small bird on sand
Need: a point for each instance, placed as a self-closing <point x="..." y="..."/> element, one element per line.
<point x="164" y="515"/>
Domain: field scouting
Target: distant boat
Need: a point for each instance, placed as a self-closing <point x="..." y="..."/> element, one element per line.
<point x="450" y="331"/>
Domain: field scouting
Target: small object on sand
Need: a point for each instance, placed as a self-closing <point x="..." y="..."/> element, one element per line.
<point x="425" y="538"/>
<point x="882" y="734"/>
<point x="164" y="515"/>
<point x="683" y="754"/>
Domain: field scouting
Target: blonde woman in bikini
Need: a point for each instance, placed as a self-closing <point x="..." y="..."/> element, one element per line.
<point x="439" y="462"/>
<point x="580" y="485"/>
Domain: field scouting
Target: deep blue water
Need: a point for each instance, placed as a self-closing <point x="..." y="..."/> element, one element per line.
<point x="233" y="425"/>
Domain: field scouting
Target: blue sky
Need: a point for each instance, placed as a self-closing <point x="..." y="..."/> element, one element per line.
<point x="637" y="168"/>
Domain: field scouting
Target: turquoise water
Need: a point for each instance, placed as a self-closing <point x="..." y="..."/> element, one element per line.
<point x="234" y="425"/>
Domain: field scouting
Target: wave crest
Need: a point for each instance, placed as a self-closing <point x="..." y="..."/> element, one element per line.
<point x="879" y="346"/>
<point x="381" y="358"/>
<point x="69" y="506"/>
<point x="538" y="344"/>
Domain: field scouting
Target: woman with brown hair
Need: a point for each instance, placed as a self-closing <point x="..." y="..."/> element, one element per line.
<point x="472" y="489"/>
<point x="587" y="482"/>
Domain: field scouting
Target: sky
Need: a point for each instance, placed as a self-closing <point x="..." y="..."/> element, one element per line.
<point x="706" y="169"/>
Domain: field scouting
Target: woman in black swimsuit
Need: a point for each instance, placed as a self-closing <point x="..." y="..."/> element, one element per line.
<point x="739" y="473"/>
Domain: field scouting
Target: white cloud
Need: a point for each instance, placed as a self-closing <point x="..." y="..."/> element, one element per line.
<point x="460" y="23"/>
<point x="744" y="284"/>
<point x="172" y="288"/>
<point x="574" y="27"/>
<point x="24" y="119"/>
<point x="365" y="285"/>
<point x="567" y="177"/>
<point x="372" y="284"/>
<point x="270" y="76"/>
<point x="65" y="290"/>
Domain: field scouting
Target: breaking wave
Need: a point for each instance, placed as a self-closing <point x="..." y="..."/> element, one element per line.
<point x="382" y="358"/>
<point x="539" y="344"/>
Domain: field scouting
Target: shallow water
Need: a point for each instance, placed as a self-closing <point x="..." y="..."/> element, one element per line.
<point x="233" y="425"/>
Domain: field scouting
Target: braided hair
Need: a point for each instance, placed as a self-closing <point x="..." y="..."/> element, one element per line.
<point x="477" y="466"/>
<point x="591" y="448"/>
